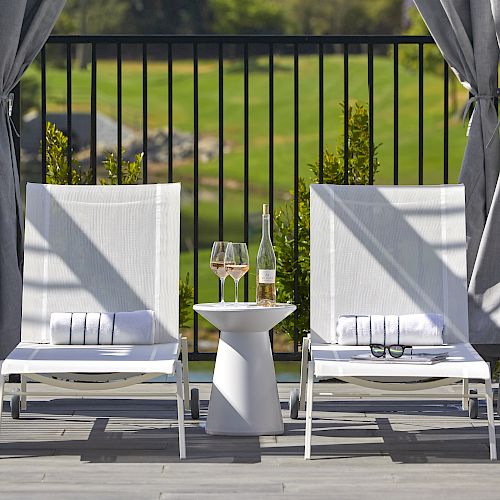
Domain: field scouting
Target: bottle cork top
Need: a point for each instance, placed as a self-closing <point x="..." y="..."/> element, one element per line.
<point x="265" y="209"/>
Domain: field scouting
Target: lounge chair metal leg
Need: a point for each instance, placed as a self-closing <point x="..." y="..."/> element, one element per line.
<point x="180" y="411"/>
<point x="303" y="373"/>
<point x="2" y="380"/>
<point x="24" y="402"/>
<point x="465" y="390"/>
<point x="185" y="372"/>
<point x="491" y="421"/>
<point x="309" y="407"/>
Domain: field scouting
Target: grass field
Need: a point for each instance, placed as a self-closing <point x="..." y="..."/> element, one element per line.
<point x="259" y="131"/>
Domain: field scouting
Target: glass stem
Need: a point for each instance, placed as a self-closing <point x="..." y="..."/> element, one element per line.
<point x="236" y="290"/>
<point x="222" y="280"/>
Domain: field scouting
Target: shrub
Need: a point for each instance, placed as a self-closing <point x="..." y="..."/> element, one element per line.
<point x="58" y="168"/>
<point x="131" y="170"/>
<point x="333" y="173"/>
<point x="186" y="300"/>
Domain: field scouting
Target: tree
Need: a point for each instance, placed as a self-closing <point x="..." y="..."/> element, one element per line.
<point x="433" y="60"/>
<point x="333" y="17"/>
<point x="256" y="16"/>
<point x="93" y="16"/>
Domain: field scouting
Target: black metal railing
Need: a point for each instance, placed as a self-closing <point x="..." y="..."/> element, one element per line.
<point x="264" y="46"/>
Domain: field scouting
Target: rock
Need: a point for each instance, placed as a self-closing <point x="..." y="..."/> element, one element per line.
<point x="157" y="145"/>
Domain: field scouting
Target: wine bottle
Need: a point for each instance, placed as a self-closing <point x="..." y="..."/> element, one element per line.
<point x="266" y="264"/>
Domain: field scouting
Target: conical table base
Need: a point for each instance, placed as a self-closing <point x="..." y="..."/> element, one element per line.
<point x="244" y="398"/>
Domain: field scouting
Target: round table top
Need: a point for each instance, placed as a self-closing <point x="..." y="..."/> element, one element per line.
<point x="240" y="307"/>
<point x="243" y="316"/>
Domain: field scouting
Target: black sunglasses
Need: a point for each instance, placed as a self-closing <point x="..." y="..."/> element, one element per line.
<point x="396" y="351"/>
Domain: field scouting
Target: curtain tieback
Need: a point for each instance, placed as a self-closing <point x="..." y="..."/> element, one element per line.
<point x="472" y="100"/>
<point x="7" y="102"/>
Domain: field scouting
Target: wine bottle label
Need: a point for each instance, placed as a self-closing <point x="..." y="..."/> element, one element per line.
<point x="267" y="275"/>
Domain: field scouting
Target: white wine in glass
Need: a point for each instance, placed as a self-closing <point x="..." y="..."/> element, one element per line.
<point x="217" y="263"/>
<point x="237" y="271"/>
<point x="237" y="263"/>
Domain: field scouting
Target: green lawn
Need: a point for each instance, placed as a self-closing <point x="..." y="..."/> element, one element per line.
<point x="283" y="106"/>
<point x="259" y="132"/>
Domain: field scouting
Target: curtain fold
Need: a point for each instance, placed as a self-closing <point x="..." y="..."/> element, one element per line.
<point x="24" y="27"/>
<point x="465" y="32"/>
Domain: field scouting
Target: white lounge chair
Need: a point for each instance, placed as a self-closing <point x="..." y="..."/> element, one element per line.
<point x="389" y="250"/>
<point x="100" y="249"/>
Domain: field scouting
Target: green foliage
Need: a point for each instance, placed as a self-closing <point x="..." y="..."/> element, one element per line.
<point x="344" y="17"/>
<point x="433" y="60"/>
<point x="287" y="265"/>
<point x="256" y="16"/>
<point x="358" y="151"/>
<point x="333" y="173"/>
<point x="30" y="92"/>
<point x="186" y="300"/>
<point x="131" y="170"/>
<point x="93" y="16"/>
<point x="231" y="16"/>
<point x="408" y="54"/>
<point x="58" y="169"/>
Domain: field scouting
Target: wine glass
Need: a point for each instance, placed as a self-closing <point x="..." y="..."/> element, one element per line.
<point x="217" y="263"/>
<point x="236" y="262"/>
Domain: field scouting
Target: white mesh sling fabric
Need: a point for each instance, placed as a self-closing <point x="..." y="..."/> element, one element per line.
<point x="387" y="250"/>
<point x="101" y="248"/>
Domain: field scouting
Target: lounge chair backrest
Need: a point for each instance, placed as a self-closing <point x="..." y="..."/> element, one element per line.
<point x="98" y="249"/>
<point x="388" y="250"/>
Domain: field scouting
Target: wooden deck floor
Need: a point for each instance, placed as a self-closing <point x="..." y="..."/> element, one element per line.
<point x="127" y="449"/>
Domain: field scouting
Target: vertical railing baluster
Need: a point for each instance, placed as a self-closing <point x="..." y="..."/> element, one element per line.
<point x="420" y="113"/>
<point x="321" y="112"/>
<point x="119" y="110"/>
<point x="396" y="114"/>
<point x="445" y="122"/>
<point x="43" y="85"/>
<point x="370" y="111"/>
<point x="68" y="113"/>
<point x="221" y="146"/>
<point x="245" y="159"/>
<point x="296" y="189"/>
<point x="271" y="137"/>
<point x="271" y="154"/>
<point x="195" y="188"/>
<point x="346" y="113"/>
<point x="145" y="113"/>
<point x="93" y="115"/>
<point x="170" y="117"/>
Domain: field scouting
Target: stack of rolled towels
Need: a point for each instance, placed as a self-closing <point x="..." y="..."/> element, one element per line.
<point x="105" y="328"/>
<point x="407" y="329"/>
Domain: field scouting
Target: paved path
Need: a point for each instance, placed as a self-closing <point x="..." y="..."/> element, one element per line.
<point x="126" y="449"/>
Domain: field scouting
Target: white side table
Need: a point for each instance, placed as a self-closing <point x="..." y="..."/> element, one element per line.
<point x="244" y="398"/>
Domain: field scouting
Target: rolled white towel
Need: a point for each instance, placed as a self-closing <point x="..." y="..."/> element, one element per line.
<point x="407" y="329"/>
<point x="120" y="328"/>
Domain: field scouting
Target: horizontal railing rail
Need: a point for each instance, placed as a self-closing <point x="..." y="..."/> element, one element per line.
<point x="272" y="45"/>
<point x="250" y="39"/>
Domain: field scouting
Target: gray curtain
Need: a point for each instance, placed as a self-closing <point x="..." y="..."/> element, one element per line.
<point x="464" y="31"/>
<point x="24" y="27"/>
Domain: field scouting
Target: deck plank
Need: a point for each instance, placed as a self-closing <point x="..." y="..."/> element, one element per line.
<point x="127" y="448"/>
